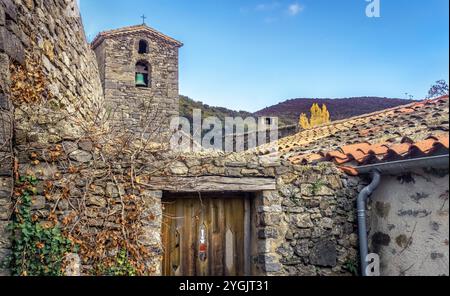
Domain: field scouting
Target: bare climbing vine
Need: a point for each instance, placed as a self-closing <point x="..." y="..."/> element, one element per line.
<point x="95" y="195"/>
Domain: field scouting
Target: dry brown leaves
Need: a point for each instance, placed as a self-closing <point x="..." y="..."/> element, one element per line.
<point x="28" y="82"/>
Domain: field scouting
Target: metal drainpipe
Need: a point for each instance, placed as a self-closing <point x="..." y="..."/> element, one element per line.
<point x="361" y="202"/>
<point x="376" y="170"/>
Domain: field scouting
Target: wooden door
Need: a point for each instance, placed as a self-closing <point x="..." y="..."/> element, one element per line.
<point x="206" y="235"/>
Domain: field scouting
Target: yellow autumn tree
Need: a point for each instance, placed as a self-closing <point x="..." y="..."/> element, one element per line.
<point x="316" y="115"/>
<point x="304" y="121"/>
<point x="319" y="116"/>
<point x="326" y="117"/>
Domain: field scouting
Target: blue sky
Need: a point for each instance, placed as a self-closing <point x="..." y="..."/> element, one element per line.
<point x="250" y="54"/>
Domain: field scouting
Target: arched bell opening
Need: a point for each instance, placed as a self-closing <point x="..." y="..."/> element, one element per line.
<point x="143" y="47"/>
<point x="143" y="72"/>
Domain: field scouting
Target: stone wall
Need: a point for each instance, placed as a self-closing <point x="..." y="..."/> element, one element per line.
<point x="84" y="190"/>
<point x="145" y="110"/>
<point x="52" y="31"/>
<point x="319" y="207"/>
<point x="90" y="181"/>
<point x="7" y="12"/>
<point x="409" y="225"/>
<point x="49" y="33"/>
<point x="307" y="226"/>
<point x="6" y="153"/>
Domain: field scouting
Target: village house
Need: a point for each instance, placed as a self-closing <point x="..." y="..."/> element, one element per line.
<point x="314" y="203"/>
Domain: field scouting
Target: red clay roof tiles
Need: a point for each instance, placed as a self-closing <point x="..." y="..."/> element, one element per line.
<point x="380" y="152"/>
<point x="399" y="149"/>
<point x="379" y="149"/>
<point x="416" y="130"/>
<point x="442" y="140"/>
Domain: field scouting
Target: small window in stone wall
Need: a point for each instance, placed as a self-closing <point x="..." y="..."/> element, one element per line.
<point x="143" y="47"/>
<point x="143" y="72"/>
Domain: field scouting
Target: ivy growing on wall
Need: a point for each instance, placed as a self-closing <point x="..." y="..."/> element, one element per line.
<point x="120" y="267"/>
<point x="37" y="249"/>
<point x="104" y="217"/>
<point x="352" y="266"/>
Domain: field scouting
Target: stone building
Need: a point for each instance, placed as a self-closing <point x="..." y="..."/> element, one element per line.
<point x="139" y="73"/>
<point x="403" y="152"/>
<point x="287" y="208"/>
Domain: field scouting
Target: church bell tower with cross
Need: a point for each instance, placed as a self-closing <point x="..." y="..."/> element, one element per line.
<point x="139" y="73"/>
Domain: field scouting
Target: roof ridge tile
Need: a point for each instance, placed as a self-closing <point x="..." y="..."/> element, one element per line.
<point x="132" y="29"/>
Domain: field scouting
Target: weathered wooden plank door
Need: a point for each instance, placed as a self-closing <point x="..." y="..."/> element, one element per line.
<point x="205" y="236"/>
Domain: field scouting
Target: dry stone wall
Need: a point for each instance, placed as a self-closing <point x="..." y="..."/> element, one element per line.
<point x="85" y="189"/>
<point x="307" y="226"/>
<point x="6" y="153"/>
<point x="50" y="34"/>
<point x="86" y="183"/>
<point x="83" y="176"/>
<point x="6" y="129"/>
<point x="296" y="224"/>
<point x="97" y="185"/>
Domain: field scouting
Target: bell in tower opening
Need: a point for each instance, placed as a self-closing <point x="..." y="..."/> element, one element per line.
<point x="140" y="64"/>
<point x="142" y="74"/>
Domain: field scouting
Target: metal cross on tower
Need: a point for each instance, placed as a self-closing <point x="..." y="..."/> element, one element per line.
<point x="143" y="19"/>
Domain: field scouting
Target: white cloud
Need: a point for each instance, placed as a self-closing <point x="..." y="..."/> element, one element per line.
<point x="267" y="6"/>
<point x="294" y="9"/>
<point x="275" y="10"/>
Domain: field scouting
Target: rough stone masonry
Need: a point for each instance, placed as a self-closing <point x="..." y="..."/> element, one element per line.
<point x="130" y="107"/>
<point x="53" y="31"/>
<point x="306" y="226"/>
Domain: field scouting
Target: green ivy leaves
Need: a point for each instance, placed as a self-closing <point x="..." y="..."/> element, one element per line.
<point x="121" y="267"/>
<point x="36" y="250"/>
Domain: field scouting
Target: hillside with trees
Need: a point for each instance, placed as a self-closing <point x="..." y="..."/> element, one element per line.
<point x="290" y="111"/>
<point x="187" y="105"/>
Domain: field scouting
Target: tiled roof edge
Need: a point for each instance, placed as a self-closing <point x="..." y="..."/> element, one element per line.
<point x="132" y="29"/>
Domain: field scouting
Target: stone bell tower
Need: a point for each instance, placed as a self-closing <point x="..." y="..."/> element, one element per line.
<point x="139" y="73"/>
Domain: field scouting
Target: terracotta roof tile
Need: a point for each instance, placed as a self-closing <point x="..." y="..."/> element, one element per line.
<point x="336" y="154"/>
<point x="342" y="160"/>
<point x="379" y="149"/>
<point x="359" y="156"/>
<point x="365" y="153"/>
<point x="424" y="146"/>
<point x="393" y="134"/>
<point x="399" y="149"/>
<point x="406" y="110"/>
<point x="415" y="120"/>
<point x="442" y="140"/>
<point x="349" y="170"/>
<point x="350" y="149"/>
